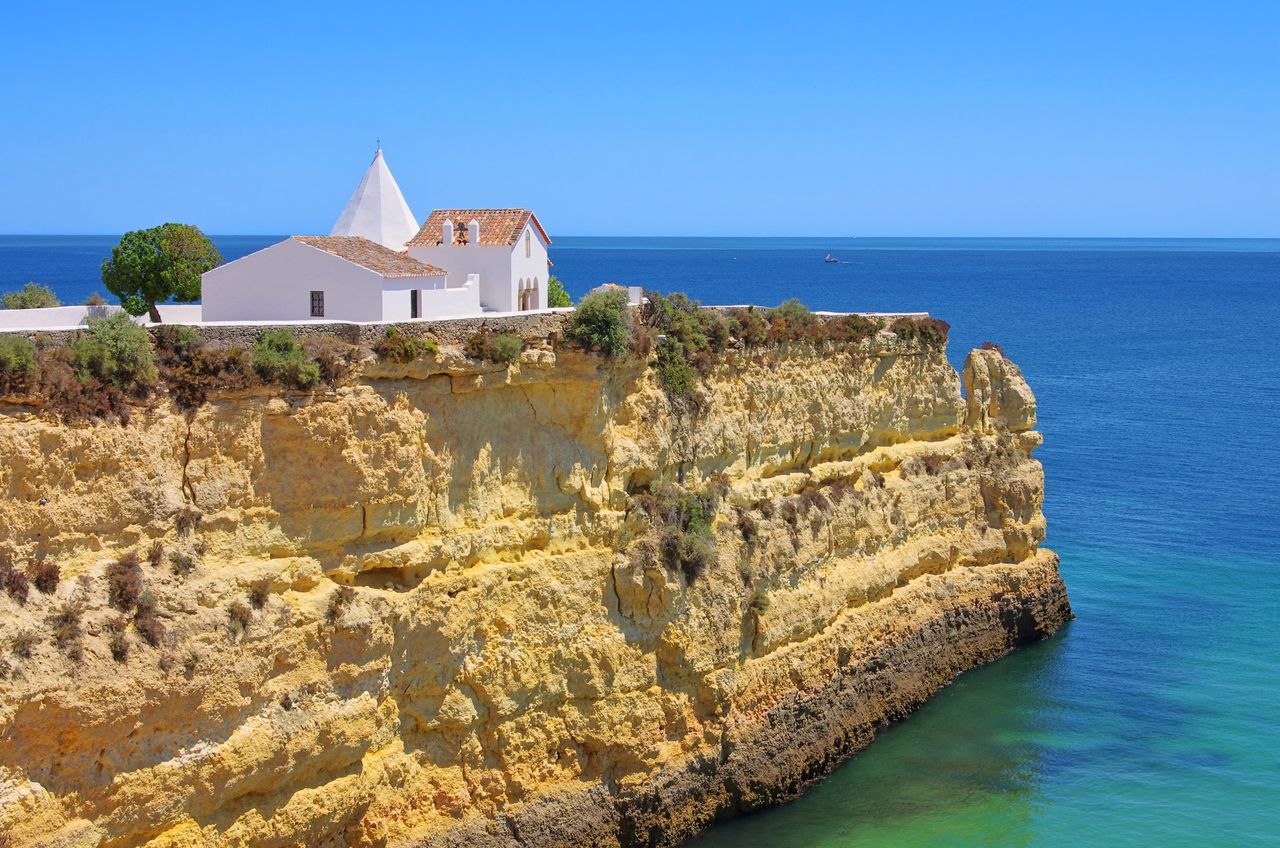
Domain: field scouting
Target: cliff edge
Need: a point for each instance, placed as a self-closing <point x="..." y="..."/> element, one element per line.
<point x="458" y="603"/>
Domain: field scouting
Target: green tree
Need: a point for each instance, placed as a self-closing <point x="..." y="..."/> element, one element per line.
<point x="30" y="296"/>
<point x="151" y="266"/>
<point x="556" y="295"/>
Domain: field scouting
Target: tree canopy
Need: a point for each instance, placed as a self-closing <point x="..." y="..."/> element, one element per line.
<point x="30" y="296"/>
<point x="152" y="266"/>
<point x="556" y="295"/>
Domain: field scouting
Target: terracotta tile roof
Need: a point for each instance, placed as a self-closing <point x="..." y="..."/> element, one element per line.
<point x="369" y="254"/>
<point x="497" y="226"/>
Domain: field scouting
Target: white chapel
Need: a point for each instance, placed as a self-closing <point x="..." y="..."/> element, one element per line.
<point x="379" y="264"/>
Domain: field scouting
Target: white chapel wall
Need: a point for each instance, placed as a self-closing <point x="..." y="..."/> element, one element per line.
<point x="275" y="284"/>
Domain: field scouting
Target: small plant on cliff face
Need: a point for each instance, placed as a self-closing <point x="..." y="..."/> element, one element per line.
<point x="682" y="521"/>
<point x="155" y="553"/>
<point x="338" y="603"/>
<point x="45" y="575"/>
<point x="181" y="562"/>
<point x="673" y="371"/>
<point x="759" y="601"/>
<point x="124" y="582"/>
<point x="602" y="322"/>
<point x="259" y="591"/>
<point x="398" y="346"/>
<point x="146" y="620"/>
<point x="118" y="643"/>
<point x="15" y="582"/>
<point x="239" y="617"/>
<point x="187" y="519"/>
<point x="993" y="346"/>
<point x="503" y="348"/>
<point x="64" y="625"/>
<point x="190" y="662"/>
<point x="23" y="643"/>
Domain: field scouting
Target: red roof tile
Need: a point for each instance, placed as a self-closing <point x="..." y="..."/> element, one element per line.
<point x="369" y="254"/>
<point x="497" y="226"/>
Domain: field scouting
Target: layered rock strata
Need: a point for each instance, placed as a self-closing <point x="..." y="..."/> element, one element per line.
<point x="431" y="608"/>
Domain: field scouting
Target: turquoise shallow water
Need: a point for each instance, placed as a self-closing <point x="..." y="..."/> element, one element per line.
<point x="1151" y="719"/>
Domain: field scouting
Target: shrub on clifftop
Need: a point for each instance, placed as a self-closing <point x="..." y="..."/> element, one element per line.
<point x="503" y="348"/>
<point x="279" y="358"/>
<point x="397" y="346"/>
<point x="30" y="296"/>
<point x="115" y="351"/>
<point x="602" y="322"/>
<point x="17" y="362"/>
<point x="928" y="332"/>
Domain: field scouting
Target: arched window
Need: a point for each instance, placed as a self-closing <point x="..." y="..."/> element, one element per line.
<point x="528" y="244"/>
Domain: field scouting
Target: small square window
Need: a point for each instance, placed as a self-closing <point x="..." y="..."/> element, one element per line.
<point x="317" y="304"/>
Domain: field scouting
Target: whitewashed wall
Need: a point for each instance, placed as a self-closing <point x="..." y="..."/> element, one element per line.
<point x="432" y="303"/>
<point x="493" y="264"/>
<point x="501" y="268"/>
<point x="68" y="317"/>
<point x="533" y="268"/>
<point x="275" y="284"/>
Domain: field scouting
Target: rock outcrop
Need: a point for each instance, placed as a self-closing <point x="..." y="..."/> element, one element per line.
<point x="434" y="607"/>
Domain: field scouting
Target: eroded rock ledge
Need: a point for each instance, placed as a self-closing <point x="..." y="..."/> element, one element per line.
<point x="422" y="611"/>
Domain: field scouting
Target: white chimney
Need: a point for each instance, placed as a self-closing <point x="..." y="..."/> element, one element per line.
<point x="446" y="233"/>
<point x="473" y="232"/>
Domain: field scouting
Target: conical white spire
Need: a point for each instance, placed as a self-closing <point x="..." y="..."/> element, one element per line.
<point x="377" y="210"/>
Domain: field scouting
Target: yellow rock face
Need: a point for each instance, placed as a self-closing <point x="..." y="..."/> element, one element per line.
<point x="514" y="660"/>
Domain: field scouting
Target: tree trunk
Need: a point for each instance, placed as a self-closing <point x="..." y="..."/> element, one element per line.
<point x="155" y="313"/>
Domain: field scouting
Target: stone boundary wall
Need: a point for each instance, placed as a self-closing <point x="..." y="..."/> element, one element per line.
<point x="530" y="326"/>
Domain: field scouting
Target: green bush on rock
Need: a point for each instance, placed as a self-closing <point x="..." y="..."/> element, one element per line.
<point x="278" y="357"/>
<point x="502" y="348"/>
<point x="115" y="351"/>
<point x="17" y="362"/>
<point x="602" y="322"/>
<point x="397" y="346"/>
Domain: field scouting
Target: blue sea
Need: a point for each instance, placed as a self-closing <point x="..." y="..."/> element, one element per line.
<point x="1154" y="718"/>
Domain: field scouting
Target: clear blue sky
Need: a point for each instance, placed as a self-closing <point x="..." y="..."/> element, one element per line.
<point x="926" y="118"/>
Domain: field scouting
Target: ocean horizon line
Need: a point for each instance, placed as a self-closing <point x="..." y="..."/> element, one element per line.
<point x="1233" y="244"/>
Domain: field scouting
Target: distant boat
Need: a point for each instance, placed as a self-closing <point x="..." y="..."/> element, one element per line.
<point x="831" y="260"/>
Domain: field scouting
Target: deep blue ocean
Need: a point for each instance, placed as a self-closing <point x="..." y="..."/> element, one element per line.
<point x="1154" y="718"/>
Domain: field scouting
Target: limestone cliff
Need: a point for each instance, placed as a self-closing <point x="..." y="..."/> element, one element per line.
<point x="512" y="662"/>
